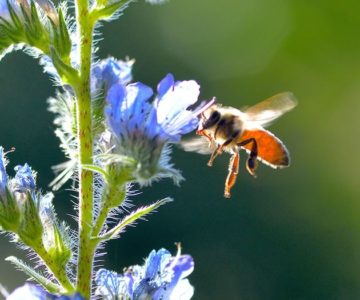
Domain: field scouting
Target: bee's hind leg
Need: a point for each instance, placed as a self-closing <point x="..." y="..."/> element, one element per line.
<point x="231" y="177"/>
<point x="251" y="163"/>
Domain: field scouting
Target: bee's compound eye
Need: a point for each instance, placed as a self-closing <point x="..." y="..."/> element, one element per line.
<point x="215" y="115"/>
<point x="212" y="120"/>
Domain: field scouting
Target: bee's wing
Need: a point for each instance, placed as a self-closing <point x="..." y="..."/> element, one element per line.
<point x="270" y="109"/>
<point x="198" y="144"/>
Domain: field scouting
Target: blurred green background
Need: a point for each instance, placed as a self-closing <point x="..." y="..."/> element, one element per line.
<point x="289" y="234"/>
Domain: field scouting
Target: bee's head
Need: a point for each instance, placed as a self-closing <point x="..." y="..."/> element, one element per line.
<point x="210" y="117"/>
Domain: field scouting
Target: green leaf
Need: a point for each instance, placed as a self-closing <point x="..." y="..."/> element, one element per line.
<point x="46" y="283"/>
<point x="131" y="219"/>
<point x="67" y="73"/>
<point x="110" y="9"/>
<point x="96" y="169"/>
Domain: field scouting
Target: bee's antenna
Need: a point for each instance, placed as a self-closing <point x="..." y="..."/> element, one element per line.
<point x="204" y="106"/>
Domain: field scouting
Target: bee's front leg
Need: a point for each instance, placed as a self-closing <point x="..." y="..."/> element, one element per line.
<point x="233" y="171"/>
<point x="215" y="153"/>
<point x="218" y="151"/>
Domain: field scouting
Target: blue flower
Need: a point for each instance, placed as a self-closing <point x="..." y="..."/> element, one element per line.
<point x="143" y="129"/>
<point x="3" y="175"/>
<point x="24" y="179"/>
<point x="34" y="292"/>
<point x="110" y="71"/>
<point x="111" y="285"/>
<point x="162" y="277"/>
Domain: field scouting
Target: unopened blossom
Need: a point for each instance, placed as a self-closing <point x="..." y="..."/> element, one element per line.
<point x="24" y="179"/>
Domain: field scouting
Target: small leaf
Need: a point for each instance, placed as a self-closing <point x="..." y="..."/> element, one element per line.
<point x="131" y="219"/>
<point x="46" y="283"/>
<point x="66" y="72"/>
<point x="96" y="169"/>
<point x="110" y="9"/>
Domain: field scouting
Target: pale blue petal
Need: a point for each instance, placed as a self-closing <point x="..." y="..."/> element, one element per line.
<point x="3" y="175"/>
<point x="165" y="84"/>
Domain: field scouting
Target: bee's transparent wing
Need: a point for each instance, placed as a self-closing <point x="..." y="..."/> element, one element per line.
<point x="198" y="144"/>
<point x="270" y="109"/>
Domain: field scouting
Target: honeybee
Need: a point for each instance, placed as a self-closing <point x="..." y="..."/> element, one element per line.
<point x="224" y="128"/>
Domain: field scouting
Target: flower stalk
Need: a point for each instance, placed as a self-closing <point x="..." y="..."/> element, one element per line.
<point x="85" y="27"/>
<point x="107" y="125"/>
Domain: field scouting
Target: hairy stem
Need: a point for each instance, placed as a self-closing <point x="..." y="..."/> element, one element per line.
<point x="85" y="27"/>
<point x="57" y="270"/>
<point x="113" y="197"/>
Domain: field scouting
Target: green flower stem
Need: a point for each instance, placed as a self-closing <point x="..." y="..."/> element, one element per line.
<point x="85" y="26"/>
<point x="57" y="270"/>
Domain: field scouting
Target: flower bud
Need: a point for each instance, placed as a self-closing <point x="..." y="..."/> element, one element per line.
<point x="31" y="229"/>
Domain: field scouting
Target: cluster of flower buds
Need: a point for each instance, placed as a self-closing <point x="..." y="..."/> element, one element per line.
<point x="30" y="215"/>
<point x="35" y="24"/>
<point x="161" y="277"/>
